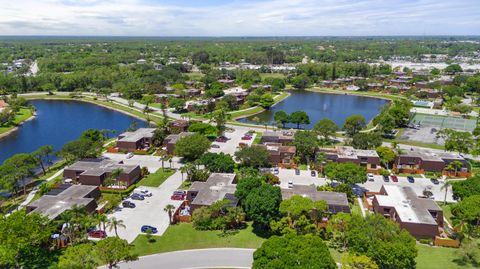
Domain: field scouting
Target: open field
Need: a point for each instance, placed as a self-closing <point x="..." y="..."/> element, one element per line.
<point x="157" y="178"/>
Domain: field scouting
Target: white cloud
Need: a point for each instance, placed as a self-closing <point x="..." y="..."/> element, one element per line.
<point x="238" y="18"/>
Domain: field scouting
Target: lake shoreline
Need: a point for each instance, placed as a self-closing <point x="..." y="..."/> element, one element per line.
<point x="16" y="127"/>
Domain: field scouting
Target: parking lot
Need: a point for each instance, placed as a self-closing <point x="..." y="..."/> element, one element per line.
<point x="149" y="211"/>
<point x="418" y="186"/>
<point x="235" y="138"/>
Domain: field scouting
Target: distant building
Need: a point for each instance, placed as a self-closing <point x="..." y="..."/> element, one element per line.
<point x="420" y="161"/>
<point x="283" y="138"/>
<point x="336" y="201"/>
<point x="141" y="61"/>
<point x="218" y="186"/>
<point x="63" y="198"/>
<point x="172" y="139"/>
<point x="136" y="140"/>
<point x="94" y="172"/>
<point x="421" y="217"/>
<point x="279" y="154"/>
<point x="178" y="126"/>
<point x="343" y="154"/>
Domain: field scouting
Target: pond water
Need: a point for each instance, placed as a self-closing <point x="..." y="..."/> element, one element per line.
<point x="60" y="121"/>
<point x="336" y="107"/>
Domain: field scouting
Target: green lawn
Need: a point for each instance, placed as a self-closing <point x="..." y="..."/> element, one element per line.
<point x="435" y="257"/>
<point x="157" y="178"/>
<point x="21" y="116"/>
<point x="184" y="236"/>
<point x="447" y="212"/>
<point x="195" y="75"/>
<point x="258" y="138"/>
<point x="257" y="109"/>
<point x="271" y="75"/>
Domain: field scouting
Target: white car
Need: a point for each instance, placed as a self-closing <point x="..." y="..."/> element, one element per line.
<point x="290" y="184"/>
<point x="370" y="177"/>
<point x="129" y="155"/>
<point x="143" y="192"/>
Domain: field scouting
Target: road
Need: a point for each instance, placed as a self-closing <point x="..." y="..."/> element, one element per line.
<point x="200" y="258"/>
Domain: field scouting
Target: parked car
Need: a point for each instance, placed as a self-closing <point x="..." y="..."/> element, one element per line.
<point x="215" y="146"/>
<point x="276" y="171"/>
<point x="435" y="181"/>
<point x="242" y="145"/>
<point x="221" y="139"/>
<point x="137" y="196"/>
<point x="411" y="179"/>
<point x="290" y="184"/>
<point x="313" y="173"/>
<point x="129" y="155"/>
<point x="97" y="234"/>
<point x="394" y="178"/>
<point x="145" y="228"/>
<point x="370" y="177"/>
<point x="143" y="192"/>
<point x="128" y="204"/>
<point x="178" y="195"/>
<point x="297" y="172"/>
<point x="246" y="137"/>
<point x="386" y="179"/>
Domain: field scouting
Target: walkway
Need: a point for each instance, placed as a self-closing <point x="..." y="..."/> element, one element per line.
<point x="199" y="258"/>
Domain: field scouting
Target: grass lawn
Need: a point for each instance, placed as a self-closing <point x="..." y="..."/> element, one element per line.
<point x="195" y="75"/>
<point x="447" y="211"/>
<point x="356" y="210"/>
<point x="435" y="257"/>
<point x="157" y="178"/>
<point x="184" y="236"/>
<point x="303" y="166"/>
<point x="258" y="138"/>
<point x="271" y="75"/>
<point x="22" y="115"/>
<point x="257" y="109"/>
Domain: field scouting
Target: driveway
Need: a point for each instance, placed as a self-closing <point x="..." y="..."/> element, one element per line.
<point x="198" y="258"/>
<point x="149" y="211"/>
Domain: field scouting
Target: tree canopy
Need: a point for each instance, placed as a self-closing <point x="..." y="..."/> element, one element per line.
<point x="348" y="173"/>
<point x="192" y="147"/>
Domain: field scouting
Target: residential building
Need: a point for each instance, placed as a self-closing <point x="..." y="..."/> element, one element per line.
<point x="218" y="186"/>
<point x="420" y="161"/>
<point x="336" y="201"/>
<point x="95" y="171"/>
<point x="192" y="92"/>
<point x="178" y="126"/>
<point x="283" y="138"/>
<point x="343" y="154"/>
<point x="64" y="197"/>
<point x="141" y="61"/>
<point x="139" y="139"/>
<point x="280" y="155"/>
<point x="375" y="86"/>
<point x="172" y="139"/>
<point x="422" y="217"/>
<point x="3" y="105"/>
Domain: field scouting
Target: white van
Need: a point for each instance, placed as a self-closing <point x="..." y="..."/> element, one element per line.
<point x="143" y="192"/>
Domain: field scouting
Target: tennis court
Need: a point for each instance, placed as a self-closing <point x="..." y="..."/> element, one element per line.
<point x="444" y="122"/>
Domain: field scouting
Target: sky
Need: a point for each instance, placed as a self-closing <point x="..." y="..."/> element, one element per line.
<point x="239" y="18"/>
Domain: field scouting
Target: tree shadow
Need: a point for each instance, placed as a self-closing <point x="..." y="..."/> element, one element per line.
<point x="261" y="231"/>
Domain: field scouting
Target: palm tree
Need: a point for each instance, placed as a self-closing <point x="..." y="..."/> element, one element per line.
<point x="455" y="166"/>
<point x="169" y="209"/>
<point x="114" y="224"/>
<point x="102" y="220"/>
<point x="445" y="187"/>
<point x="183" y="169"/>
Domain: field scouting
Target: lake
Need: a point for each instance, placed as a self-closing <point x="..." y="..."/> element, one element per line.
<point x="336" y="107"/>
<point x="60" y="121"/>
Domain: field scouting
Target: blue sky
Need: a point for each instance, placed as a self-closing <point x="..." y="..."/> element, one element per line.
<point x="239" y="18"/>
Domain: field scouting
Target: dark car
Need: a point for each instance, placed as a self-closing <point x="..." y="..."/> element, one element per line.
<point x="97" y="234"/>
<point x="411" y="179"/>
<point x="435" y="181"/>
<point x="297" y="172"/>
<point x="394" y="178"/>
<point x="128" y="204"/>
<point x="386" y="179"/>
<point x="145" y="228"/>
<point x="221" y="139"/>
<point x="137" y="196"/>
<point x="313" y="173"/>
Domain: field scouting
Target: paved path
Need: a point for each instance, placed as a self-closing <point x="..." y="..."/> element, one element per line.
<point x="200" y="258"/>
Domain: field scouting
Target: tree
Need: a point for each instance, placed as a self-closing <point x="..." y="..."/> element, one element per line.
<point x="113" y="250"/>
<point x="169" y="209"/>
<point x="468" y="210"/>
<point x="366" y="140"/>
<point x="387" y="155"/>
<point x="293" y="251"/>
<point x="326" y="128"/>
<point x="23" y="237"/>
<point x="469" y="253"/>
<point x="114" y="224"/>
<point x="254" y="156"/>
<point x="42" y="156"/>
<point x="299" y="117"/>
<point x="220" y="117"/>
<point x="192" y="147"/>
<point x="80" y="149"/>
<point x="246" y="185"/>
<point x="358" y="262"/>
<point x="453" y="68"/>
<point x="16" y="169"/>
<point x="306" y="143"/>
<point x="203" y="129"/>
<point x="348" y="173"/>
<point x="465" y="188"/>
<point x="354" y="124"/>
<point x="281" y="117"/>
<point x="266" y="101"/>
<point x="93" y="135"/>
<point x="262" y="204"/>
<point x="218" y="216"/>
<point x="455" y="166"/>
<point x="78" y="257"/>
<point x="457" y="141"/>
<point x="218" y="162"/>
<point x="159" y="136"/>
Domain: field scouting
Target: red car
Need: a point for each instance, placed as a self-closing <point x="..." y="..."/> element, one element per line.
<point x="394" y="178"/>
<point x="97" y="234"/>
<point x="178" y="195"/>
<point x="246" y="138"/>
<point x="242" y="145"/>
<point x="221" y="139"/>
